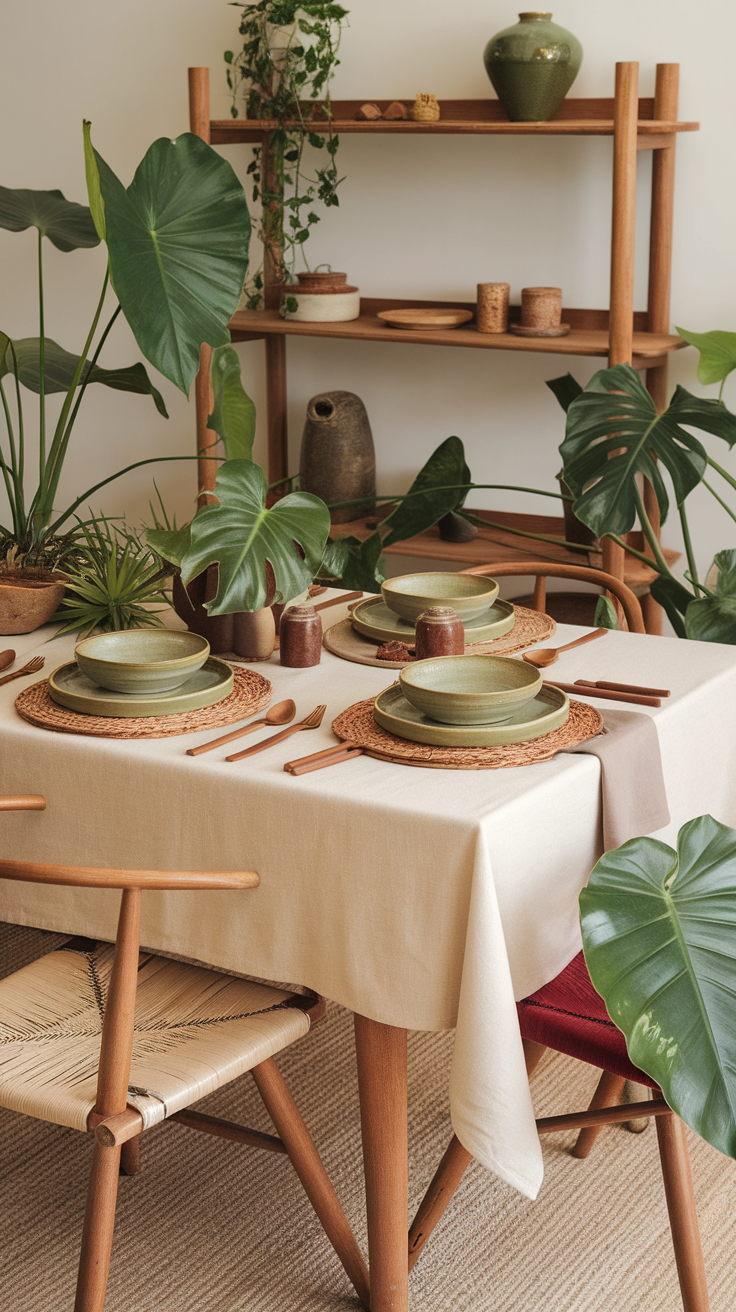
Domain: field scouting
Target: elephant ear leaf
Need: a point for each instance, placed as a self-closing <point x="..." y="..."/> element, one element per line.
<point x="434" y="492"/>
<point x="233" y="416"/>
<point x="713" y="618"/>
<point x="178" y="245"/>
<point x="60" y="367"/>
<point x="67" y="225"/>
<point x="614" y="433"/>
<point x="241" y="535"/>
<point x="717" y="354"/>
<point x="658" y="933"/>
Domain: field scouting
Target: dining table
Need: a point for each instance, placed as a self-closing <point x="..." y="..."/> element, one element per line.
<point x="424" y="899"/>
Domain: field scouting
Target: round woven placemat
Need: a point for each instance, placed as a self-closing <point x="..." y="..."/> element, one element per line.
<point x="356" y="725"/>
<point x="530" y="629"/>
<point x="251" y="692"/>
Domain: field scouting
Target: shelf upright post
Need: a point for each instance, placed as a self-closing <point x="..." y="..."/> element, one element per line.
<point x="660" y="275"/>
<point x="273" y="223"/>
<point x="199" y="125"/>
<point x="623" y="236"/>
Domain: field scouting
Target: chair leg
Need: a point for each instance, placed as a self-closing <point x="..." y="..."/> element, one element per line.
<point x="447" y="1177"/>
<point x="533" y="1054"/>
<point x="308" y="1165"/>
<point x="678" y="1188"/>
<point x="608" y="1093"/>
<point x="130" y="1156"/>
<point x="99" y="1222"/>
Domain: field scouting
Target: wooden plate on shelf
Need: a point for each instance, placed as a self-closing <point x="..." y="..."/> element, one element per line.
<point x="548" y="710"/>
<point x="373" y="619"/>
<point x="421" y="320"/>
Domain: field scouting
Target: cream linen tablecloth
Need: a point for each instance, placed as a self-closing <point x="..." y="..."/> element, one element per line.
<point x="421" y="898"/>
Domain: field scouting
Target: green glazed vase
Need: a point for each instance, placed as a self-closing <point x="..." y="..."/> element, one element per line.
<point x="532" y="66"/>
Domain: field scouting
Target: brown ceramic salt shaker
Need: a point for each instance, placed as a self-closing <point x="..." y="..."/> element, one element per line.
<point x="300" y="635"/>
<point x="439" y="632"/>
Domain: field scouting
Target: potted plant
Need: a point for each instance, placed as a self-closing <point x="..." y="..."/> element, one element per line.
<point x="177" y="242"/>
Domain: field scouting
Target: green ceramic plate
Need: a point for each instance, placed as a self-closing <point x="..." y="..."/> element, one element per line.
<point x="549" y="710"/>
<point x="373" y="619"/>
<point x="69" y="687"/>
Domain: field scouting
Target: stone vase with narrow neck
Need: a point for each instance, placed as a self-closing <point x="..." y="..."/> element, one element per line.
<point x="532" y="66"/>
<point x="338" y="460"/>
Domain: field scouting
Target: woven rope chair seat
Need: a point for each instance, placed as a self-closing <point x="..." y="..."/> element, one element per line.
<point x="568" y="1015"/>
<point x="195" y="1029"/>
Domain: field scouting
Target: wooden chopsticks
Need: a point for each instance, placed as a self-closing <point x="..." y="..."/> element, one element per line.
<point x="625" y="687"/>
<point x="320" y="760"/>
<point x="586" y="689"/>
<point x="339" y="601"/>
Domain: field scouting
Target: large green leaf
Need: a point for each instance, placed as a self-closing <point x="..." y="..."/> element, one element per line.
<point x="614" y="433"/>
<point x="178" y="243"/>
<point x="353" y="564"/>
<point x="65" y="223"/>
<point x="241" y="535"/>
<point x="566" y="388"/>
<point x="713" y="618"/>
<point x="659" y="932"/>
<point x="233" y="416"/>
<point x="445" y="469"/>
<point x="717" y="354"/>
<point x="675" y="599"/>
<point x="60" y="367"/>
<point x="171" y="544"/>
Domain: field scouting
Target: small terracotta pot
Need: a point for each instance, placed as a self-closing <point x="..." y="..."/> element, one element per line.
<point x="254" y="634"/>
<point x="27" y="603"/>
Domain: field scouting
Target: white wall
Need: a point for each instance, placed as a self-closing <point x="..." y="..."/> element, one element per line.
<point x="417" y="217"/>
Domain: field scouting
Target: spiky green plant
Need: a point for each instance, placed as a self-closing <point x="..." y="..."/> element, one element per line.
<point x="115" y="582"/>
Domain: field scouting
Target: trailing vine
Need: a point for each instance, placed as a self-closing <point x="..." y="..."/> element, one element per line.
<point x="288" y="58"/>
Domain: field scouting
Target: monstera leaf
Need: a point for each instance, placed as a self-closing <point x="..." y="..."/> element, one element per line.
<point x="60" y="367"/>
<point x="717" y="354"/>
<point x="233" y="416"/>
<point x="713" y="618"/>
<point x="241" y="535"/>
<point x="613" y="433"/>
<point x="445" y="469"/>
<point x="65" y="223"/>
<point x="355" y="565"/>
<point x="177" y="238"/>
<point x="659" y="932"/>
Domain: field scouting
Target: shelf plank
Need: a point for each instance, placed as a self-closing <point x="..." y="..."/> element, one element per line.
<point x="575" y="117"/>
<point x="585" y="341"/>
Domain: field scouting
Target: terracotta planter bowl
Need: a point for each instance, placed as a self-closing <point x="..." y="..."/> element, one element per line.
<point x="26" y="604"/>
<point x="142" y="660"/>
<point x="410" y="594"/>
<point x="470" y="689"/>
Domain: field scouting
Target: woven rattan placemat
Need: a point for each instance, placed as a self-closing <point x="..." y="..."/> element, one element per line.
<point x="356" y="725"/>
<point x="251" y="692"/>
<point x="530" y="629"/>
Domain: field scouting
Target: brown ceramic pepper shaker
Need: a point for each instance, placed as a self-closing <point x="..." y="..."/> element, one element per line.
<point x="439" y="632"/>
<point x="300" y="633"/>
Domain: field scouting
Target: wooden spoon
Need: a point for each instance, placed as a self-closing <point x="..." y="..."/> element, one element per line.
<point x="6" y="658"/>
<point x="545" y="656"/>
<point x="281" y="713"/>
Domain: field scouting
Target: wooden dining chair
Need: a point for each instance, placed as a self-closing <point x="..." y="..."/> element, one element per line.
<point x="543" y="569"/>
<point x="110" y="1041"/>
<point x="568" y="1016"/>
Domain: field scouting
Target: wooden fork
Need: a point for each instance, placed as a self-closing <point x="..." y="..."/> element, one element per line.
<point x="312" y="721"/>
<point x="33" y="666"/>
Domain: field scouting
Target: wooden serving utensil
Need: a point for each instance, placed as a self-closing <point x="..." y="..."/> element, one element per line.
<point x="544" y="656"/>
<point x="281" y="713"/>
<point x="6" y="658"/>
<point x="312" y="721"/>
<point x="32" y="667"/>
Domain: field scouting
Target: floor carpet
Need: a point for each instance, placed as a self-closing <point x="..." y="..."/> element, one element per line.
<point x="213" y="1227"/>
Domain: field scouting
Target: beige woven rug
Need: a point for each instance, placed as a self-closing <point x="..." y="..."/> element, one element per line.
<point x="210" y="1227"/>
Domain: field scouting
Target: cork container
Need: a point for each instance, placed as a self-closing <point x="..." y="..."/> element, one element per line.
<point x="541" y="307"/>
<point x="492" y="313"/>
<point x="300" y="636"/>
<point x="439" y="632"/>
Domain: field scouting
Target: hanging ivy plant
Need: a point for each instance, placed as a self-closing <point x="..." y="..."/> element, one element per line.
<point x="288" y="58"/>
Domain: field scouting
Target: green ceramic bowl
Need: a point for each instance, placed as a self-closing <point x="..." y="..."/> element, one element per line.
<point x="470" y="689"/>
<point x="411" y="594"/>
<point x="142" y="660"/>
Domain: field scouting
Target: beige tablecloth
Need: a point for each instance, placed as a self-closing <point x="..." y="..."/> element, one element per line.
<point x="421" y="898"/>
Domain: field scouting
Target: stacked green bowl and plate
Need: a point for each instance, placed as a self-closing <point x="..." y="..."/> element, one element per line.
<point x="393" y="615"/>
<point x="141" y="672"/>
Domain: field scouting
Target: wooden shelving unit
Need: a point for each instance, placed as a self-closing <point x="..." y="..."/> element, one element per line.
<point x="617" y="334"/>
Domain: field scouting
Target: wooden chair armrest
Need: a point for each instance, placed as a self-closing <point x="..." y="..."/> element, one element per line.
<point x="84" y="877"/>
<point x="28" y="802"/>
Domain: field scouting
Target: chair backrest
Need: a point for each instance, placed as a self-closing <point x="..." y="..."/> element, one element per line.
<point x="117" y="1028"/>
<point x="544" y="569"/>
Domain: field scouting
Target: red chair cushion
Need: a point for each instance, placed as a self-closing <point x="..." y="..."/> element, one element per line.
<point x="568" y="1015"/>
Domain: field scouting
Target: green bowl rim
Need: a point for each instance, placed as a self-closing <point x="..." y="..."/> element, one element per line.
<point x="536" y="677"/>
<point x="441" y="573"/>
<point x="143" y="666"/>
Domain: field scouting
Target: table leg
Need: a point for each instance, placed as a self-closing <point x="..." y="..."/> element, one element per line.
<point x="381" y="1054"/>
